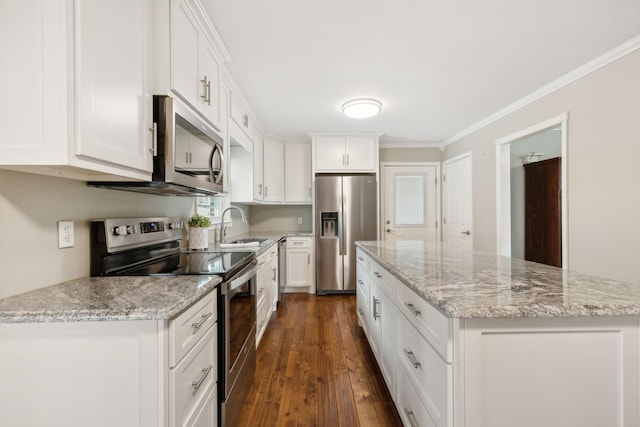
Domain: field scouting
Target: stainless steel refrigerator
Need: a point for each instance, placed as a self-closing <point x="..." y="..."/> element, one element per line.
<point x="345" y="211"/>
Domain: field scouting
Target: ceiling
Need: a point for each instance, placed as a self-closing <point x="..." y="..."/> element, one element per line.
<point x="437" y="66"/>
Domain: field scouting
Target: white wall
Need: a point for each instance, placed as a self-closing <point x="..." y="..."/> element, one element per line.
<point x="281" y="218"/>
<point x="410" y="154"/>
<point x="602" y="161"/>
<point x="31" y="205"/>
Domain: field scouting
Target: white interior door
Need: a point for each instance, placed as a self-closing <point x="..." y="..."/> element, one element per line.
<point x="410" y="202"/>
<point x="457" y="199"/>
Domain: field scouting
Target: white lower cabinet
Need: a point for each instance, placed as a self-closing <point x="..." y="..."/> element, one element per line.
<point x="299" y="263"/>
<point x="499" y="372"/>
<point x="266" y="289"/>
<point x="136" y="373"/>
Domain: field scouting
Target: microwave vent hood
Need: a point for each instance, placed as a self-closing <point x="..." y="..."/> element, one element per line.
<point x="155" y="187"/>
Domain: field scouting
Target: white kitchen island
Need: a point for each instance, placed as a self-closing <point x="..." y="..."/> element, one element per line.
<point x="470" y="339"/>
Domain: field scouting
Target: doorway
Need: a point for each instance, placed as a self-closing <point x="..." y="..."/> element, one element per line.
<point x="410" y="201"/>
<point x="532" y="150"/>
<point x="458" y="203"/>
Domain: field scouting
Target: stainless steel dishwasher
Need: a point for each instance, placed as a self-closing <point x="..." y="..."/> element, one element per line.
<point x="282" y="267"/>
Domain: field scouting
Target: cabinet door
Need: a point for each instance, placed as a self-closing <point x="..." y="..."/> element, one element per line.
<point x="184" y="52"/>
<point x="209" y="70"/>
<point x="388" y="342"/>
<point x="298" y="267"/>
<point x="330" y="154"/>
<point x="297" y="173"/>
<point x="361" y="154"/>
<point x="33" y="77"/>
<point x="113" y="82"/>
<point x="273" y="171"/>
<point x="258" y="187"/>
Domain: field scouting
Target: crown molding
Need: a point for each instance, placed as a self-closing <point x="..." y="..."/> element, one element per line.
<point x="603" y="60"/>
<point x="389" y="144"/>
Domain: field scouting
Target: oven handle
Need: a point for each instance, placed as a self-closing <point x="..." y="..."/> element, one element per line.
<point x="241" y="278"/>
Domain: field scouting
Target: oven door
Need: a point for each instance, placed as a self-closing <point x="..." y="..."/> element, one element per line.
<point x="238" y="296"/>
<point x="189" y="149"/>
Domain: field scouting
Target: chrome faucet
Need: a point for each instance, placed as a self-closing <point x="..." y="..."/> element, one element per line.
<point x="223" y="228"/>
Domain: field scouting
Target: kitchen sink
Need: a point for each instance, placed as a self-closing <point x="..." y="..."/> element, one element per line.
<point x="249" y="240"/>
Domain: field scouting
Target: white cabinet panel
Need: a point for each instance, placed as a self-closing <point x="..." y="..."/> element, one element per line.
<point x="297" y="172"/>
<point x="355" y="154"/>
<point x="83" y="93"/>
<point x="299" y="262"/>
<point x="273" y="170"/>
<point x="195" y="69"/>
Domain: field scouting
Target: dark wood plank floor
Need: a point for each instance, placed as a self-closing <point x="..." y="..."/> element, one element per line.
<point x="315" y="368"/>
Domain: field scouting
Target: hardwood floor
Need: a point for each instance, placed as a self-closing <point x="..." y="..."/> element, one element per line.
<point x="315" y="368"/>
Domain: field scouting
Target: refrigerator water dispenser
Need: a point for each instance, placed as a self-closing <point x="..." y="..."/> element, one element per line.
<point x="329" y="222"/>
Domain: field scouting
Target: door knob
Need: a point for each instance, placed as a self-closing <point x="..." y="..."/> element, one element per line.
<point x="388" y="230"/>
<point x="466" y="233"/>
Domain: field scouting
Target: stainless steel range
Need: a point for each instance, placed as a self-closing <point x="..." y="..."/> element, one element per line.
<point x="151" y="246"/>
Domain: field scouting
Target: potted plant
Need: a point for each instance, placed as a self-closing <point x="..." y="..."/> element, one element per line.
<point x="199" y="231"/>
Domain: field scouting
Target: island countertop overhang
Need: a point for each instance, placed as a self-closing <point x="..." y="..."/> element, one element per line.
<point x="464" y="283"/>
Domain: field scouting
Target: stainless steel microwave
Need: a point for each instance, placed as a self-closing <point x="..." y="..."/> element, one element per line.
<point x="188" y="154"/>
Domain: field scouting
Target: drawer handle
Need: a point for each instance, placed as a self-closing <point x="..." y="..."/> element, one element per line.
<point x="361" y="282"/>
<point x="411" y="417"/>
<point x="412" y="308"/>
<point x="376" y="301"/>
<point x="412" y="358"/>
<point x="205" y="372"/>
<point x="197" y="326"/>
<point x="361" y="312"/>
<point x="260" y="291"/>
<point x="378" y="275"/>
<point x="361" y="259"/>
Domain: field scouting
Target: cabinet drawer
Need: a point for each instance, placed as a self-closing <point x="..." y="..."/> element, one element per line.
<point x="362" y="281"/>
<point x="186" y="329"/>
<point x="362" y="260"/>
<point x="431" y="376"/>
<point x="433" y="325"/>
<point x="298" y="242"/>
<point x="193" y="378"/>
<point x="410" y="407"/>
<point x="362" y="307"/>
<point x="262" y="315"/>
<point x="207" y="415"/>
<point x="388" y="283"/>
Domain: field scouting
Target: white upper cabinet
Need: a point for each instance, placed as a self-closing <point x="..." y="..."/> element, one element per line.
<point x="194" y="62"/>
<point x="297" y="172"/>
<point x="339" y="154"/>
<point x="258" y="167"/>
<point x="77" y="95"/>
<point x="273" y="171"/>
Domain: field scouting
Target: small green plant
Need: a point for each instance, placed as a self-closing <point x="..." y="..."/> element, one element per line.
<point x="199" y="221"/>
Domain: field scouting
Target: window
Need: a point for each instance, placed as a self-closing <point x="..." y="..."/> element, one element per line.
<point x="212" y="207"/>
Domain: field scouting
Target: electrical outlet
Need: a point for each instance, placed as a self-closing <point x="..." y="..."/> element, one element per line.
<point x="299" y="220"/>
<point x="66" y="238"/>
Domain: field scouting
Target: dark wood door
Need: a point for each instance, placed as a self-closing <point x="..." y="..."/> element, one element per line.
<point x="543" y="212"/>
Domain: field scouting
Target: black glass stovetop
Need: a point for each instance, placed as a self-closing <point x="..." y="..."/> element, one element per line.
<point x="219" y="263"/>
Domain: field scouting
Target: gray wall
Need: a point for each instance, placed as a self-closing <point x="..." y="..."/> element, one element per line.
<point x="410" y="155"/>
<point x="31" y="205"/>
<point x="603" y="175"/>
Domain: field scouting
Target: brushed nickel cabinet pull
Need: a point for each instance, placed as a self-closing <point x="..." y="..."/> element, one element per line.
<point x="196" y="384"/>
<point x="201" y="322"/>
<point x="412" y="308"/>
<point x="204" y="88"/>
<point x="376" y="315"/>
<point x="412" y="358"/>
<point x="378" y="275"/>
<point x="411" y="417"/>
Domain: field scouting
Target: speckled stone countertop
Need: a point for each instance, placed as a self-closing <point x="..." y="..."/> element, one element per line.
<point x="108" y="298"/>
<point x="469" y="284"/>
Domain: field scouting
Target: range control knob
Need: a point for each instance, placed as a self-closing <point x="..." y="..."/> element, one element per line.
<point x="120" y="230"/>
<point x="175" y="225"/>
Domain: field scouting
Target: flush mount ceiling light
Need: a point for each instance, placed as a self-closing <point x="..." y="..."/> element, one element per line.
<point x="361" y="108"/>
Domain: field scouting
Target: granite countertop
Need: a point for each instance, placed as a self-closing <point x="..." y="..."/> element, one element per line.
<point x="108" y="298"/>
<point x="470" y="284"/>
